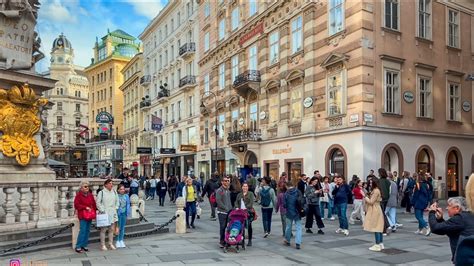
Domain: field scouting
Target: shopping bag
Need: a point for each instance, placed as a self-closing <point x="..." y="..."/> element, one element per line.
<point x="102" y="220"/>
<point x="198" y="210"/>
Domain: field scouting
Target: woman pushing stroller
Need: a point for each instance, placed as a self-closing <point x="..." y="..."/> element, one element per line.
<point x="246" y="198"/>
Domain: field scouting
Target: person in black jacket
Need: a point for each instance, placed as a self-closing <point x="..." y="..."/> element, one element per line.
<point x="341" y="194"/>
<point x="161" y="189"/>
<point x="301" y="186"/>
<point x="210" y="188"/>
<point x="460" y="224"/>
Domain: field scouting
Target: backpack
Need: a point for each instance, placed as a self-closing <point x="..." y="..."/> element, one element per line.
<point x="410" y="185"/>
<point x="265" y="199"/>
<point x="147" y="184"/>
<point x="212" y="198"/>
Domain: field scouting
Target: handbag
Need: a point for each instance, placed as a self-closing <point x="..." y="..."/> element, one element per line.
<point x="325" y="198"/>
<point x="89" y="215"/>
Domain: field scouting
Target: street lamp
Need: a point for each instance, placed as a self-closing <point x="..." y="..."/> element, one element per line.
<point x="216" y="131"/>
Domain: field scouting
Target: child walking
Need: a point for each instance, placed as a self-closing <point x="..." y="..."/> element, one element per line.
<point x="123" y="212"/>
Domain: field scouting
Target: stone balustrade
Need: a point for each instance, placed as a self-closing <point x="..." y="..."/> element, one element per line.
<point x="40" y="204"/>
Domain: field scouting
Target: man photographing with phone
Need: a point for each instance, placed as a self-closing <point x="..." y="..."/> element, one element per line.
<point x="459" y="225"/>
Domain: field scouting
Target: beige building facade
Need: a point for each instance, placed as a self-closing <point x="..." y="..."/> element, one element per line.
<point x="170" y="80"/>
<point x="134" y="101"/>
<point x="339" y="86"/>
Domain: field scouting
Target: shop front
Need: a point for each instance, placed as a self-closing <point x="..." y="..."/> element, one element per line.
<point x="204" y="165"/>
<point x="145" y="162"/>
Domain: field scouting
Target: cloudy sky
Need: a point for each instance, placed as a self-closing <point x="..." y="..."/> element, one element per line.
<point x="82" y="20"/>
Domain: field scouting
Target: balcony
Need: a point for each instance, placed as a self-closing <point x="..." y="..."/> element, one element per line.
<point x="163" y="95"/>
<point x="145" y="103"/>
<point x="245" y="135"/>
<point x="145" y="80"/>
<point x="187" y="83"/>
<point x="187" y="50"/>
<point x="247" y="83"/>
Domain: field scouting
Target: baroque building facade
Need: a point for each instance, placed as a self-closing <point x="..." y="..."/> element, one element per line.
<point x="68" y="117"/>
<point x="338" y="86"/>
<point x="105" y="148"/>
<point x="170" y="80"/>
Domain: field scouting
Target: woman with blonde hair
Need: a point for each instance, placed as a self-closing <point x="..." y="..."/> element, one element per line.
<point x="86" y="208"/>
<point x="470" y="193"/>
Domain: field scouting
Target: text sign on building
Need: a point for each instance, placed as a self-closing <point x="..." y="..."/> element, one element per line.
<point x="144" y="150"/>
<point x="253" y="32"/>
<point x="167" y="151"/>
<point x="17" y="37"/>
<point x="192" y="148"/>
<point x="288" y="149"/>
<point x="408" y="96"/>
<point x="104" y="118"/>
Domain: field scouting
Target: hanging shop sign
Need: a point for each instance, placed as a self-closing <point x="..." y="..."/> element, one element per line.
<point x="192" y="148"/>
<point x="258" y="29"/>
<point x="144" y="150"/>
<point x="104" y="118"/>
<point x="167" y="150"/>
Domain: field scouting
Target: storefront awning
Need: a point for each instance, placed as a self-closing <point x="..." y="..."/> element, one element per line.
<point x="54" y="163"/>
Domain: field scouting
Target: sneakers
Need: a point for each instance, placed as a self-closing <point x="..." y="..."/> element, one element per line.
<point x="332" y="218"/>
<point x="382" y="246"/>
<point x="308" y="230"/>
<point x="345" y="232"/>
<point x="103" y="248"/>
<point x="192" y="226"/>
<point x="339" y="230"/>
<point x="351" y="221"/>
<point x="418" y="232"/>
<point x="298" y="246"/>
<point x="427" y="231"/>
<point x="286" y="242"/>
<point x="123" y="244"/>
<point x="375" y="247"/>
<point x="320" y="232"/>
<point x="118" y="244"/>
<point x="266" y="235"/>
<point x="398" y="225"/>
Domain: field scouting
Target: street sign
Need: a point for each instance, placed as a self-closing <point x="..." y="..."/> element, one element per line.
<point x="104" y="118"/>
<point x="167" y="150"/>
<point x="188" y="148"/>
<point x="144" y="150"/>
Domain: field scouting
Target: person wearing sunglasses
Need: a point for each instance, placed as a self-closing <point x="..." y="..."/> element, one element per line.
<point x="224" y="206"/>
<point x="86" y="208"/>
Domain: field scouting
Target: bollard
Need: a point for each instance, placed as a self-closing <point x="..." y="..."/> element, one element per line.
<point x="134" y="206"/>
<point x="75" y="232"/>
<point x="181" y="219"/>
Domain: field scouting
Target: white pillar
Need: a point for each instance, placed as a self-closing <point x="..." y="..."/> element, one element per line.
<point x="181" y="219"/>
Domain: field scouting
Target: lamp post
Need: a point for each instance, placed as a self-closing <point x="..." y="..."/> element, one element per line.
<point x="216" y="131"/>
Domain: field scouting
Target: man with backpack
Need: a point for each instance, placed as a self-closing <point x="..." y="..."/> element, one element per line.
<point x="210" y="190"/>
<point x="267" y="201"/>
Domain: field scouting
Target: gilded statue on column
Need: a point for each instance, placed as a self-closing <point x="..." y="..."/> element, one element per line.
<point x="19" y="122"/>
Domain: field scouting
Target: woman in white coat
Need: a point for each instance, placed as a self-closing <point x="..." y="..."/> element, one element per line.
<point x="108" y="202"/>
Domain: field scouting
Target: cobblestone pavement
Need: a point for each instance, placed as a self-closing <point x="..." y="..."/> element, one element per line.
<point x="199" y="246"/>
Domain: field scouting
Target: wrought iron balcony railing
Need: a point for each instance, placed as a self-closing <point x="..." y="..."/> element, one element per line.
<point x="244" y="135"/>
<point x="187" y="48"/>
<point x="145" y="80"/>
<point x="247" y="76"/>
<point x="187" y="80"/>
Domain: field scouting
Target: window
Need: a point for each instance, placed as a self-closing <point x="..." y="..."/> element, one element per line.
<point x="206" y="42"/>
<point x="424" y="19"/>
<point x="221" y="126"/>
<point x="296" y="104"/>
<point x="235" y="120"/>
<point x="78" y="107"/>
<point x="392" y="91"/>
<point x="221" y="29"/>
<point x="60" y="106"/>
<point x="207" y="9"/>
<point x="391" y="14"/>
<point x="454" y="110"/>
<point x="253" y="8"/>
<point x="336" y="16"/>
<point x="78" y="122"/>
<point x="297" y="34"/>
<point x="424" y="96"/>
<point x="206" y="131"/>
<point x="172" y="113"/>
<point x="206" y="84"/>
<point x="191" y="105"/>
<point x="179" y="110"/>
<point x="59" y="137"/>
<point x="274" y="47"/>
<point x="235" y="18"/>
<point x="253" y="62"/>
<point x="453" y="30"/>
<point x="273" y="109"/>
<point x="192" y="136"/>
<point x="253" y="117"/>
<point x="222" y="76"/>
<point x="111" y="92"/>
<point x="59" y="121"/>
<point x="235" y="67"/>
<point x="335" y="94"/>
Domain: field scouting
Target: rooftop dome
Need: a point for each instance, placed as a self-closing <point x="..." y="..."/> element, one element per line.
<point x="61" y="43"/>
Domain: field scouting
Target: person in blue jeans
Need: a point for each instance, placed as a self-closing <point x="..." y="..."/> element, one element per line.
<point x="122" y="213"/>
<point x="85" y="206"/>
<point x="267" y="201"/>
<point x="326" y="201"/>
<point x="293" y="203"/>
<point x="420" y="201"/>
<point x="341" y="194"/>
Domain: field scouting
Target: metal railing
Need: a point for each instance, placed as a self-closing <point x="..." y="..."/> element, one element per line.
<point x="145" y="80"/>
<point x="187" y="80"/>
<point x="189" y="47"/>
<point x="247" y="76"/>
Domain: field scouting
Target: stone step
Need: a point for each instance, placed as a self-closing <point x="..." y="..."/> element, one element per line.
<point x="34" y="233"/>
<point x="63" y="244"/>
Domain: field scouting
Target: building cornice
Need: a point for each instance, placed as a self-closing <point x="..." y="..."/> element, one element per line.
<point x="158" y="19"/>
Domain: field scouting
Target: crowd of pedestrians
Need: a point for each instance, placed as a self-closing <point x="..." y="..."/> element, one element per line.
<point x="374" y="204"/>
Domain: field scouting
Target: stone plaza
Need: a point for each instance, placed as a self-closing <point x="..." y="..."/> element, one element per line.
<point x="200" y="246"/>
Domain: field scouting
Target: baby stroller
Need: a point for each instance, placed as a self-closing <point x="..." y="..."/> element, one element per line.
<point x="235" y="230"/>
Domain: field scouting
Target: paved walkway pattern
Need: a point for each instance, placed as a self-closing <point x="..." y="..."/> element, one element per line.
<point x="200" y="246"/>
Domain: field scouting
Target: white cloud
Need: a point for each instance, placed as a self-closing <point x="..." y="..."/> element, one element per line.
<point x="147" y="8"/>
<point x="58" y="11"/>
